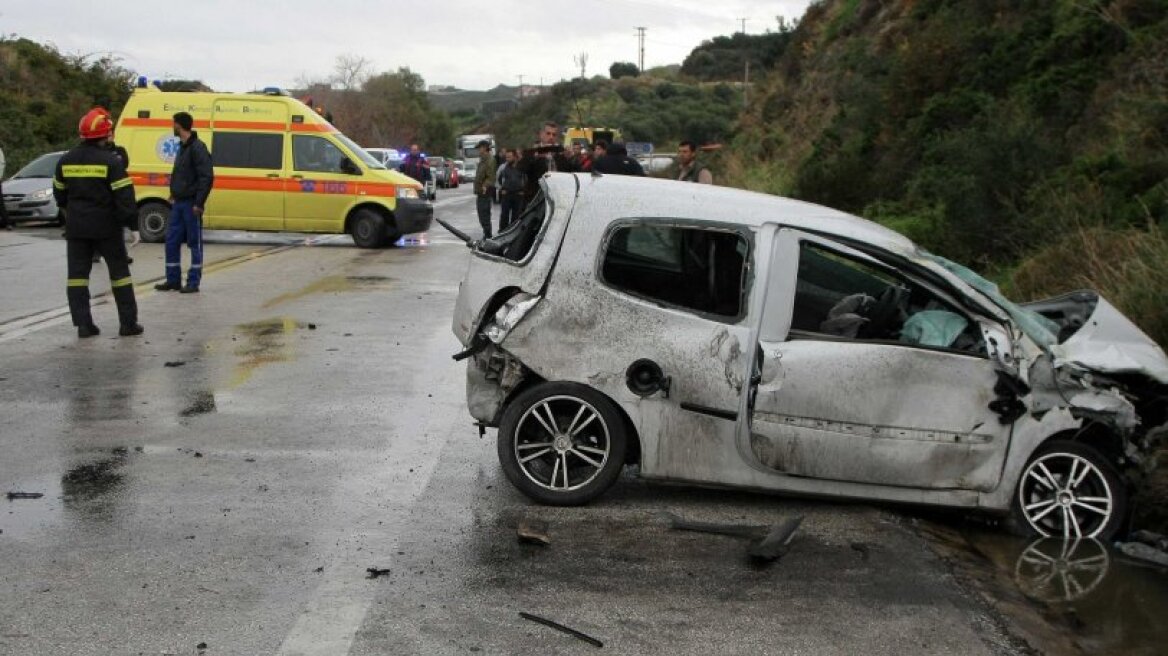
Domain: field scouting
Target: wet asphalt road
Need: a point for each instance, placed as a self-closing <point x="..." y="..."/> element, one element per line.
<point x="228" y="478"/>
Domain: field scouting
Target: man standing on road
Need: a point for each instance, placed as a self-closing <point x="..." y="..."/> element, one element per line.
<point x="190" y="185"/>
<point x="691" y="169"/>
<point x="484" y="186"/>
<point x="546" y="155"/>
<point x="416" y="165"/>
<point x="511" y="183"/>
<point x="92" y="187"/>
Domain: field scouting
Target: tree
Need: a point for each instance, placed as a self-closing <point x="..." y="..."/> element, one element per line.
<point x="350" y="72"/>
<point x="623" y="69"/>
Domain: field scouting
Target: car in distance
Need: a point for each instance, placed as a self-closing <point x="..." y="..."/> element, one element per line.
<point x="28" y="194"/>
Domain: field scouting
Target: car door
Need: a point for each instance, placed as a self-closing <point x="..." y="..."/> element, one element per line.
<point x="655" y="316"/>
<point x="862" y="384"/>
<point x="320" y="190"/>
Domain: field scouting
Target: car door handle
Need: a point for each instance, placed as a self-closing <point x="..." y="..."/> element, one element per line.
<point x="297" y="177"/>
<point x="273" y="175"/>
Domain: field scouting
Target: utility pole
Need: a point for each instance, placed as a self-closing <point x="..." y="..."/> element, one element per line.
<point x="641" y="48"/>
<point x="519" y="93"/>
<point x="746" y="86"/>
<point x="743" y="21"/>
<point x="581" y="61"/>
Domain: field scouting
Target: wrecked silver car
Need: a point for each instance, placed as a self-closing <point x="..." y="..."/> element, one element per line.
<point x="726" y="338"/>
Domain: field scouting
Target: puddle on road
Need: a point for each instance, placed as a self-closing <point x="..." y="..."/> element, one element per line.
<point x="332" y="284"/>
<point x="261" y="343"/>
<point x="89" y="492"/>
<point x="1080" y="594"/>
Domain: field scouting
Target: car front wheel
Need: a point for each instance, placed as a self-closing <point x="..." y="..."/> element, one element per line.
<point x="368" y="229"/>
<point x="562" y="443"/>
<point x="1070" y="490"/>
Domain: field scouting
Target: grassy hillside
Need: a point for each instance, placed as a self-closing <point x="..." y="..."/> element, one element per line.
<point x="43" y="95"/>
<point x="657" y="108"/>
<point x="1028" y="138"/>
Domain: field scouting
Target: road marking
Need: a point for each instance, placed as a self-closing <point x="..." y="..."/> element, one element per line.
<point x="330" y="620"/>
<point x="49" y="318"/>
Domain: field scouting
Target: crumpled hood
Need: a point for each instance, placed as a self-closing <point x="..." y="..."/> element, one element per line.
<point x="1109" y="342"/>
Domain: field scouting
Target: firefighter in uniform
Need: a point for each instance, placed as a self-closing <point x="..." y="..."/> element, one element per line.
<point x="92" y="187"/>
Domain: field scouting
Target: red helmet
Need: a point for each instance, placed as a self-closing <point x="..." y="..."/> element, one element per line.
<point x="96" y="124"/>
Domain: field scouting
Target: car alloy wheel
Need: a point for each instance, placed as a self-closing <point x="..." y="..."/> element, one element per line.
<point x="562" y="443"/>
<point x="562" y="455"/>
<point x="1069" y="493"/>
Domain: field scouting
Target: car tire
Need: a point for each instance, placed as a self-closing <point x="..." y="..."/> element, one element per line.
<point x="566" y="430"/>
<point x="368" y="229"/>
<point x="152" y="220"/>
<point x="1069" y="490"/>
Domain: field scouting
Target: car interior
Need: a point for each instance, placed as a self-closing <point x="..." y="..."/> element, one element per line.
<point x="849" y="298"/>
<point x="694" y="268"/>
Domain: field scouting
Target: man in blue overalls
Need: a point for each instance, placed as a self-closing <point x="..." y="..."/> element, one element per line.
<point x="190" y="185"/>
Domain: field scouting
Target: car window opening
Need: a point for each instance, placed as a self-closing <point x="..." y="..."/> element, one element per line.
<point x="693" y="268"/>
<point x="843" y="297"/>
<point x="516" y="242"/>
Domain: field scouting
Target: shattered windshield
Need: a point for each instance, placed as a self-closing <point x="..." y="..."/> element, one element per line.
<point x="1038" y="328"/>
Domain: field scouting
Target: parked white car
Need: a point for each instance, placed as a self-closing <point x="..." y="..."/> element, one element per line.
<point x="721" y="337"/>
<point x="28" y="194"/>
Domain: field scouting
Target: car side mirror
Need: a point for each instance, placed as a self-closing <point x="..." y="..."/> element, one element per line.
<point x="347" y="166"/>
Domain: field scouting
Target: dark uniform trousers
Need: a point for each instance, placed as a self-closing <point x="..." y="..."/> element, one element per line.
<point x="80" y="253"/>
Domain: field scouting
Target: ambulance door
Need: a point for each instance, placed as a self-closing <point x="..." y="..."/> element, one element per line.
<point x="247" y="147"/>
<point x="323" y="182"/>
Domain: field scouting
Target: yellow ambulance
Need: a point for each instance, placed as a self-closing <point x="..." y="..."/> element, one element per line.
<point x="279" y="166"/>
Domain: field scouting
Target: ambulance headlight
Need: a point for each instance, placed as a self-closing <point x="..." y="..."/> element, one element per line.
<point x="407" y="192"/>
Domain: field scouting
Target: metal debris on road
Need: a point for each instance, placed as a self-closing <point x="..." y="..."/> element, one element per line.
<point x="753" y="532"/>
<point x="175" y="363"/>
<point x="560" y="627"/>
<point x="776" y="544"/>
<point x="375" y="572"/>
<point x="1143" y="552"/>
<point x="24" y="495"/>
<point x="533" y="532"/>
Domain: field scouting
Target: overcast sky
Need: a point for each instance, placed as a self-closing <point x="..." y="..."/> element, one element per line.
<point x="240" y="45"/>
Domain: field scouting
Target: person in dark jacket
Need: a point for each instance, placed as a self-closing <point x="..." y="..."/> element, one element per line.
<point x="191" y="180"/>
<point x="546" y="155"/>
<point x="616" y="161"/>
<point x="416" y="165"/>
<point x="511" y="184"/>
<point x="92" y="187"/>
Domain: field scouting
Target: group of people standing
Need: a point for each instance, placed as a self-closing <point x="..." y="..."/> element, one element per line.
<point x="516" y="178"/>
<point x="93" y="188"/>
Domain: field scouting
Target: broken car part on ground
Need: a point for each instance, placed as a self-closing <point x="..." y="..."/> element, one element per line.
<point x="720" y="337"/>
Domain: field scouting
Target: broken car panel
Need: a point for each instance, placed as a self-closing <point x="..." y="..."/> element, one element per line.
<point x="722" y="337"/>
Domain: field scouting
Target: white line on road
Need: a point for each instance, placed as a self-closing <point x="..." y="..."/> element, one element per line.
<point x="329" y="622"/>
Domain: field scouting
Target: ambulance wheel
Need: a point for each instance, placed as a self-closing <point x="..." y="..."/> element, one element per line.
<point x="152" y="218"/>
<point x="368" y="229"/>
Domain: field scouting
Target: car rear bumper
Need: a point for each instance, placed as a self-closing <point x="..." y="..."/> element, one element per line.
<point x="412" y="215"/>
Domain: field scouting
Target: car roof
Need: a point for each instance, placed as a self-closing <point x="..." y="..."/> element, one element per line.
<point x="644" y="196"/>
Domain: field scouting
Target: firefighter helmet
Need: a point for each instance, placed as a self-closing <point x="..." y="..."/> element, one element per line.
<point x="96" y="124"/>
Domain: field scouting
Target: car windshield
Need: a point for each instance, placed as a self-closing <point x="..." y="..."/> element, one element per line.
<point x="369" y="160"/>
<point x="1038" y="328"/>
<point x="41" y="167"/>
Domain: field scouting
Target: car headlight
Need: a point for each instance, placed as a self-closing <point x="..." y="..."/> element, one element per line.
<point x="508" y="316"/>
<point x="40" y="194"/>
<point x="407" y="192"/>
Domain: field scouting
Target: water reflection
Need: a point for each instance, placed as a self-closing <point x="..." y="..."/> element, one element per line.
<point x="1055" y="570"/>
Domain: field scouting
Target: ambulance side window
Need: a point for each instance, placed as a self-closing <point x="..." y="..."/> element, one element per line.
<point x="248" y="150"/>
<point x="316" y="154"/>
